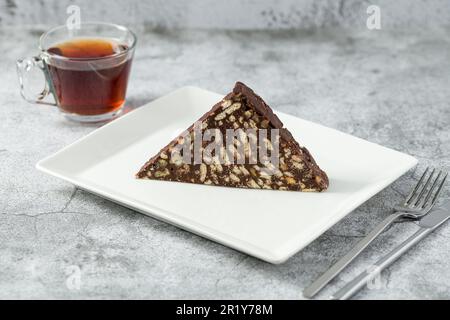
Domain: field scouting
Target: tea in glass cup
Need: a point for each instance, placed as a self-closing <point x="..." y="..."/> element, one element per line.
<point x="86" y="70"/>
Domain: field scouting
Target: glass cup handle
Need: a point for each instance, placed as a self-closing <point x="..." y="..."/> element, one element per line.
<point x="23" y="67"/>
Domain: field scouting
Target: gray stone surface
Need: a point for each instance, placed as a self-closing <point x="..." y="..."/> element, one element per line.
<point x="230" y="14"/>
<point x="391" y="88"/>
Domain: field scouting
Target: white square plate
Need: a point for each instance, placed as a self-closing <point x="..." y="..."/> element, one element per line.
<point x="270" y="225"/>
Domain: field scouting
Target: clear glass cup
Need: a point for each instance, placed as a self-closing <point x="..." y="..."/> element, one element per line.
<point x="85" y="89"/>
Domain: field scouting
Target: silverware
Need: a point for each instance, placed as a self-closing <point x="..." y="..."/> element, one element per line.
<point x="417" y="204"/>
<point x="427" y="224"/>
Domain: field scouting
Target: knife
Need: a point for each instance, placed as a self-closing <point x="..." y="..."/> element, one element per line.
<point x="427" y="224"/>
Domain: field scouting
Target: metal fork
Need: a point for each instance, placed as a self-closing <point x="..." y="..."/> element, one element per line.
<point x="418" y="203"/>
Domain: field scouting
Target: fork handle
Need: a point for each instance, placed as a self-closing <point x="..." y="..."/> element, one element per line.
<point x="363" y="278"/>
<point x="331" y="273"/>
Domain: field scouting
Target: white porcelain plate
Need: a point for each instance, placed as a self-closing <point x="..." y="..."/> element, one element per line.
<point x="270" y="225"/>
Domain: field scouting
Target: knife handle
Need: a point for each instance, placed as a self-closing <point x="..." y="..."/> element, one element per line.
<point x="362" y="279"/>
<point x="333" y="271"/>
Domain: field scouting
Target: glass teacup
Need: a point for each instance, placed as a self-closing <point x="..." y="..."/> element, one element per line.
<point x="86" y="70"/>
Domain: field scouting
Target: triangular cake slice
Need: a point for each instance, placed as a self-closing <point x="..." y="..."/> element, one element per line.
<point x="283" y="165"/>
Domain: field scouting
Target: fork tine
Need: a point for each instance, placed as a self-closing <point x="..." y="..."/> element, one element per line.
<point x="438" y="192"/>
<point x="424" y="202"/>
<point x="414" y="190"/>
<point x="422" y="191"/>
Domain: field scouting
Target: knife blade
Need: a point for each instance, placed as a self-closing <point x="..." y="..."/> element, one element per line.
<point x="436" y="217"/>
<point x="427" y="224"/>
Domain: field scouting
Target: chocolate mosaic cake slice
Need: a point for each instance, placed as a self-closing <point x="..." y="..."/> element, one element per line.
<point x="239" y="143"/>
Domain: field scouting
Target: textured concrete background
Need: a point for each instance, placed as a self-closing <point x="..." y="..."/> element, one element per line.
<point x="390" y="87"/>
<point x="387" y="87"/>
<point x="230" y="14"/>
